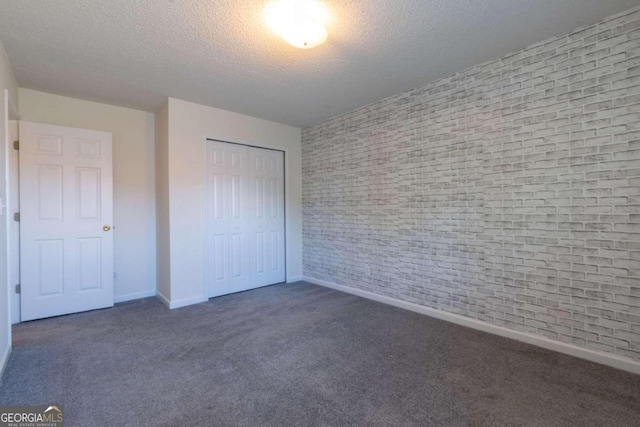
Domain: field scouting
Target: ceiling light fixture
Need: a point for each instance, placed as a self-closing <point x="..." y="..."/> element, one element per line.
<point x="301" y="23"/>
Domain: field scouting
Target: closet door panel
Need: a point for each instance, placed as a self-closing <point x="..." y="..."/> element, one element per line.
<point x="244" y="211"/>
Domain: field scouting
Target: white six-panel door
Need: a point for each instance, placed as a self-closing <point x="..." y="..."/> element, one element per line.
<point x="66" y="241"/>
<point x="244" y="218"/>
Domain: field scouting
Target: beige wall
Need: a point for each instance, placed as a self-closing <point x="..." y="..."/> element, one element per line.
<point x="8" y="99"/>
<point x="133" y="175"/>
<point x="189" y="125"/>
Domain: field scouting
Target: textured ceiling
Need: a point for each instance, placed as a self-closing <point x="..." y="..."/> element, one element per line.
<point x="219" y="53"/>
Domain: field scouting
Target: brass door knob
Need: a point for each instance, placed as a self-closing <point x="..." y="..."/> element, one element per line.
<point x="106" y="228"/>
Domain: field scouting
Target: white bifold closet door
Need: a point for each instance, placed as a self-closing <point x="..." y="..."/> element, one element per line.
<point x="244" y="218"/>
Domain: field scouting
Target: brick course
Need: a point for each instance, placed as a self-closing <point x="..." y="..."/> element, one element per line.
<point x="508" y="193"/>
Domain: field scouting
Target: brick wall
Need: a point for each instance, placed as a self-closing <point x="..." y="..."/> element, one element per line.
<point x="508" y="193"/>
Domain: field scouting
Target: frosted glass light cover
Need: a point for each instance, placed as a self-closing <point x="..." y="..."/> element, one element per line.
<point x="300" y="23"/>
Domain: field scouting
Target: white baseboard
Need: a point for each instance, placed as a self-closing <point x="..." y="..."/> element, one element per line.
<point x="133" y="296"/>
<point x="294" y="279"/>
<point x="4" y="359"/>
<point x="187" y="301"/>
<point x="583" y="353"/>
<point x="180" y="303"/>
<point x="164" y="299"/>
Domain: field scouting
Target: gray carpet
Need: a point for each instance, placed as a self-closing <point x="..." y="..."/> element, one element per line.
<point x="301" y="355"/>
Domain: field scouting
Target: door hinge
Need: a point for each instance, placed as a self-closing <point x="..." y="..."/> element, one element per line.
<point x="16" y="145"/>
<point x="18" y="288"/>
<point x="16" y="216"/>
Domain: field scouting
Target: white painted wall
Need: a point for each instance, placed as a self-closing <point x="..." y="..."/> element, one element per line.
<point x="8" y="100"/>
<point x="133" y="175"/>
<point x="189" y="125"/>
<point x="162" y="204"/>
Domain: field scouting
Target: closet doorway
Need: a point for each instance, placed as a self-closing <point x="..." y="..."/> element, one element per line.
<point x="244" y="217"/>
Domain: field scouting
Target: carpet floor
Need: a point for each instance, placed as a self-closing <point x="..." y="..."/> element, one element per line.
<point x="301" y="355"/>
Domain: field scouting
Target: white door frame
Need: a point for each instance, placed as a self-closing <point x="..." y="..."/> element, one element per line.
<point x="13" y="206"/>
<point x="205" y="287"/>
<point x="11" y="113"/>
